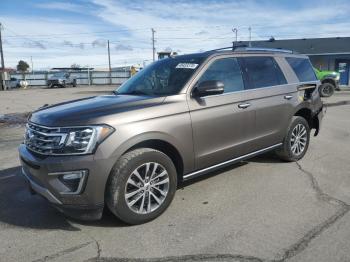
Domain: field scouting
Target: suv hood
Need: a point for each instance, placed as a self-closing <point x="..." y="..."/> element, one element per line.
<point x="89" y="110"/>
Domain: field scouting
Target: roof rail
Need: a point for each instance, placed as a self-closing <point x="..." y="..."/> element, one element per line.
<point x="246" y="48"/>
<point x="263" y="49"/>
<point x="222" y="48"/>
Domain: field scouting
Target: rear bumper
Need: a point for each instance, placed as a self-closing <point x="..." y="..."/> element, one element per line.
<point x="337" y="85"/>
<point x="318" y="117"/>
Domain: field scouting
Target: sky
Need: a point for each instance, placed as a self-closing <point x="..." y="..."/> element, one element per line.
<point x="59" y="33"/>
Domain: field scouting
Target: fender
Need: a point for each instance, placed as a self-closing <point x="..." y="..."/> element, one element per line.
<point x="188" y="159"/>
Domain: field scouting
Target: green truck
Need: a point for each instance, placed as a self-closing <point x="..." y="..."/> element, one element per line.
<point x="329" y="80"/>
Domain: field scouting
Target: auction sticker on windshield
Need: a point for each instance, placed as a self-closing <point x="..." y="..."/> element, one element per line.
<point x="187" y="65"/>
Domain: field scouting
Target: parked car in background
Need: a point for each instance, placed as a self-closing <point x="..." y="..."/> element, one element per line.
<point x="14" y="83"/>
<point x="329" y="80"/>
<point x="17" y="83"/>
<point x="177" y="119"/>
<point x="61" y="79"/>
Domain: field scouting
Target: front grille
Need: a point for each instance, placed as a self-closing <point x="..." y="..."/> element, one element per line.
<point x="43" y="140"/>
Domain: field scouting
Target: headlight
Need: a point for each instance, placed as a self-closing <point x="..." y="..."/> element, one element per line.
<point x="84" y="140"/>
<point x="65" y="140"/>
<point x="337" y="77"/>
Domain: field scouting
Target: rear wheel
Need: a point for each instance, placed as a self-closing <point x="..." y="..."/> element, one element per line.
<point x="141" y="185"/>
<point x="296" y="141"/>
<point x="326" y="90"/>
<point x="74" y="84"/>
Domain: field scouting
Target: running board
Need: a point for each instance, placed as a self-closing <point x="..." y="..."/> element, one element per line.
<point x="228" y="162"/>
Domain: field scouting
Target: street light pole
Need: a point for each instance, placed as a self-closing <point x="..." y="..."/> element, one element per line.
<point x="109" y="64"/>
<point x="235" y="30"/>
<point x="250" y="36"/>
<point x="153" y="48"/>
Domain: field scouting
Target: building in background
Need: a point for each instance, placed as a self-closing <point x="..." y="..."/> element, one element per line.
<point x="324" y="53"/>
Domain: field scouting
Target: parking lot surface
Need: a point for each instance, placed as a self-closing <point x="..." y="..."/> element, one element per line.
<point x="258" y="210"/>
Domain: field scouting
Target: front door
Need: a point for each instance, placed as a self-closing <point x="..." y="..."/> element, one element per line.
<point x="221" y="126"/>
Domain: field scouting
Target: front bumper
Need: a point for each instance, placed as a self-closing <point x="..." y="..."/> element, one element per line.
<point x="337" y="85"/>
<point x="89" y="203"/>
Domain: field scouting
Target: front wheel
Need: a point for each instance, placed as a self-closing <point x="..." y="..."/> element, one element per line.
<point x="296" y="141"/>
<point x="74" y="84"/>
<point x="141" y="185"/>
<point x="326" y="90"/>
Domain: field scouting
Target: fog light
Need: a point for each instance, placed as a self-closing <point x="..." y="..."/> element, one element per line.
<point x="73" y="181"/>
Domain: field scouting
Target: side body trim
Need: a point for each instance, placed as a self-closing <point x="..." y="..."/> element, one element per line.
<point x="228" y="162"/>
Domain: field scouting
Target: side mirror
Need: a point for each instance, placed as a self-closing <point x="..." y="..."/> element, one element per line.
<point x="208" y="88"/>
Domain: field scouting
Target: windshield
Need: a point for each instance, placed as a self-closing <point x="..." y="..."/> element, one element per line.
<point x="162" y="78"/>
<point x="59" y="74"/>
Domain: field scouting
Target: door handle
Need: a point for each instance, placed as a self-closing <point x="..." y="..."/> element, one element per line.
<point x="243" y="106"/>
<point x="288" y="97"/>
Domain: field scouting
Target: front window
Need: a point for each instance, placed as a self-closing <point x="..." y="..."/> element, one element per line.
<point x="227" y="71"/>
<point x="162" y="78"/>
<point x="59" y="74"/>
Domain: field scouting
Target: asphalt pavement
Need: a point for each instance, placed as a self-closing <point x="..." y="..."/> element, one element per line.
<point x="258" y="210"/>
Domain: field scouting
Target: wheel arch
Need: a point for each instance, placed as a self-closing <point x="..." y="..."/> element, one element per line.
<point x="328" y="80"/>
<point x="160" y="142"/>
<point x="307" y="114"/>
<point x="165" y="147"/>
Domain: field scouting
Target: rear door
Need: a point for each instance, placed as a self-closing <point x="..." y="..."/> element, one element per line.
<point x="221" y="128"/>
<point x="271" y="98"/>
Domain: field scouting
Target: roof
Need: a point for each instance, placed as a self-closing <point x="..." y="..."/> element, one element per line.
<point x="311" y="46"/>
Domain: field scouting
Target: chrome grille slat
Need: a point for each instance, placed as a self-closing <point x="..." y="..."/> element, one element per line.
<point x="43" y="140"/>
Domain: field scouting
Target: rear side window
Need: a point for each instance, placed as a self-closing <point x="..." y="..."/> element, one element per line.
<point x="226" y="70"/>
<point x="302" y="68"/>
<point x="262" y="72"/>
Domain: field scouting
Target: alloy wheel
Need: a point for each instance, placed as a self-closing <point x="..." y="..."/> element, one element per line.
<point x="147" y="188"/>
<point x="298" y="139"/>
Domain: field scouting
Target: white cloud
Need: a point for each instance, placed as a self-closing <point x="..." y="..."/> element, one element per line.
<point x="63" y="6"/>
<point x="187" y="26"/>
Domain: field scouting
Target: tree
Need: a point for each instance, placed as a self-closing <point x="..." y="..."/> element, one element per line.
<point x="22" y="66"/>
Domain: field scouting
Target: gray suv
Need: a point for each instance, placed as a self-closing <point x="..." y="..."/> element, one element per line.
<point x="177" y="119"/>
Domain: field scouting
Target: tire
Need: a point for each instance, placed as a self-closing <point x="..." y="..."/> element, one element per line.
<point x="74" y="84"/>
<point x="124" y="181"/>
<point x="326" y="90"/>
<point x="289" y="153"/>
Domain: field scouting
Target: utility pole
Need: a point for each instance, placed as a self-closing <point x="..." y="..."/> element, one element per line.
<point x="2" y="62"/>
<point x="109" y="64"/>
<point x="31" y="61"/>
<point x="153" y="48"/>
<point x="250" y="36"/>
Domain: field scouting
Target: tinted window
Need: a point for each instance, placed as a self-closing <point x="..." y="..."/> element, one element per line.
<point x="302" y="68"/>
<point x="263" y="72"/>
<point x="226" y="70"/>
